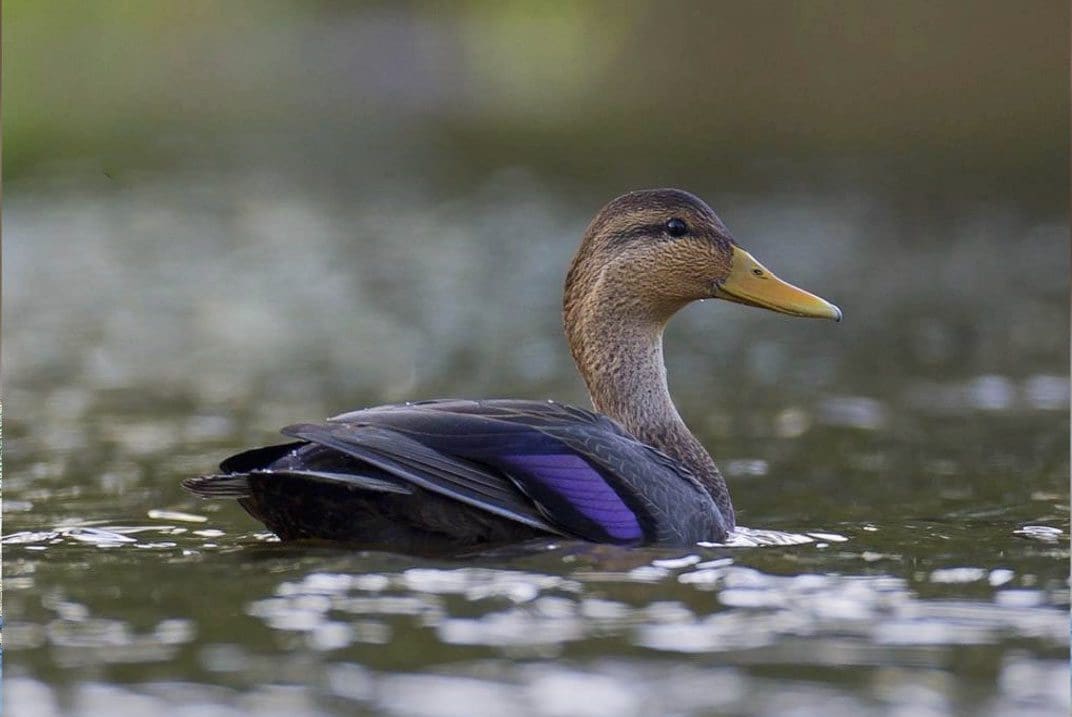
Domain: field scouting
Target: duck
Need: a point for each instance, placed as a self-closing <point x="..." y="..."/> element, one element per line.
<point x="450" y="474"/>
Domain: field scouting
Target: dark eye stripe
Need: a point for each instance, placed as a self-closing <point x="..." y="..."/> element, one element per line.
<point x="659" y="231"/>
<point x="638" y="231"/>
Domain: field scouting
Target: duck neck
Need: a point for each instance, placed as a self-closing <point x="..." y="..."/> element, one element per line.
<point x="619" y="352"/>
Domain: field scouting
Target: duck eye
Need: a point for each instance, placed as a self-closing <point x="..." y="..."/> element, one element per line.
<point x="676" y="227"/>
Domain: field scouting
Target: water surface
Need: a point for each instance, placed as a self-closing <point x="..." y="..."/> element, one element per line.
<point x="903" y="475"/>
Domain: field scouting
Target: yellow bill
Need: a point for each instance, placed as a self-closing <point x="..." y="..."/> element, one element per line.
<point x="749" y="282"/>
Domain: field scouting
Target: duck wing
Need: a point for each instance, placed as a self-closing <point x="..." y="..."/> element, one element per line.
<point x="410" y="461"/>
<point x="551" y="466"/>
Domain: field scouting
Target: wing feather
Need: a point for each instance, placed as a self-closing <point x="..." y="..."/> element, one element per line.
<point x="413" y="461"/>
<point x="557" y="468"/>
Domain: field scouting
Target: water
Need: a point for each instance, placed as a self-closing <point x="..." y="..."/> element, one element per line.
<point x="903" y="475"/>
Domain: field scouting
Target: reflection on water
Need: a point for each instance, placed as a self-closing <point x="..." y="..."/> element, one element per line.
<point x="610" y="688"/>
<point x="991" y="393"/>
<point x="905" y="471"/>
<point x="559" y="599"/>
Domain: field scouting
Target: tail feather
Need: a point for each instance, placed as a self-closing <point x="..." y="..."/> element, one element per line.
<point x="236" y="485"/>
<point x="227" y="485"/>
<point x="357" y="480"/>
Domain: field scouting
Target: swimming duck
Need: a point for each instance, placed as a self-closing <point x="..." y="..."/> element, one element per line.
<point x="448" y="474"/>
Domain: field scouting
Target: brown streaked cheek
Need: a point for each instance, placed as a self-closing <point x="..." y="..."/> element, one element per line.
<point x="718" y="268"/>
<point x="707" y="268"/>
<point x="684" y="269"/>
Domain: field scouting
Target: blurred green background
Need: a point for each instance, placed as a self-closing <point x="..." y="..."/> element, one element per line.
<point x="941" y="99"/>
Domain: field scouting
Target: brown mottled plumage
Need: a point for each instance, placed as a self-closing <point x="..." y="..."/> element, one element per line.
<point x="628" y="278"/>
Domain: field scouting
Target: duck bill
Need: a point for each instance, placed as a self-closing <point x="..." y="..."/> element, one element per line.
<point x="751" y="283"/>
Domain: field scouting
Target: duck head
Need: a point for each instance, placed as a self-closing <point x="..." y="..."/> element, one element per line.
<point x="648" y="253"/>
<point x="644" y="256"/>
